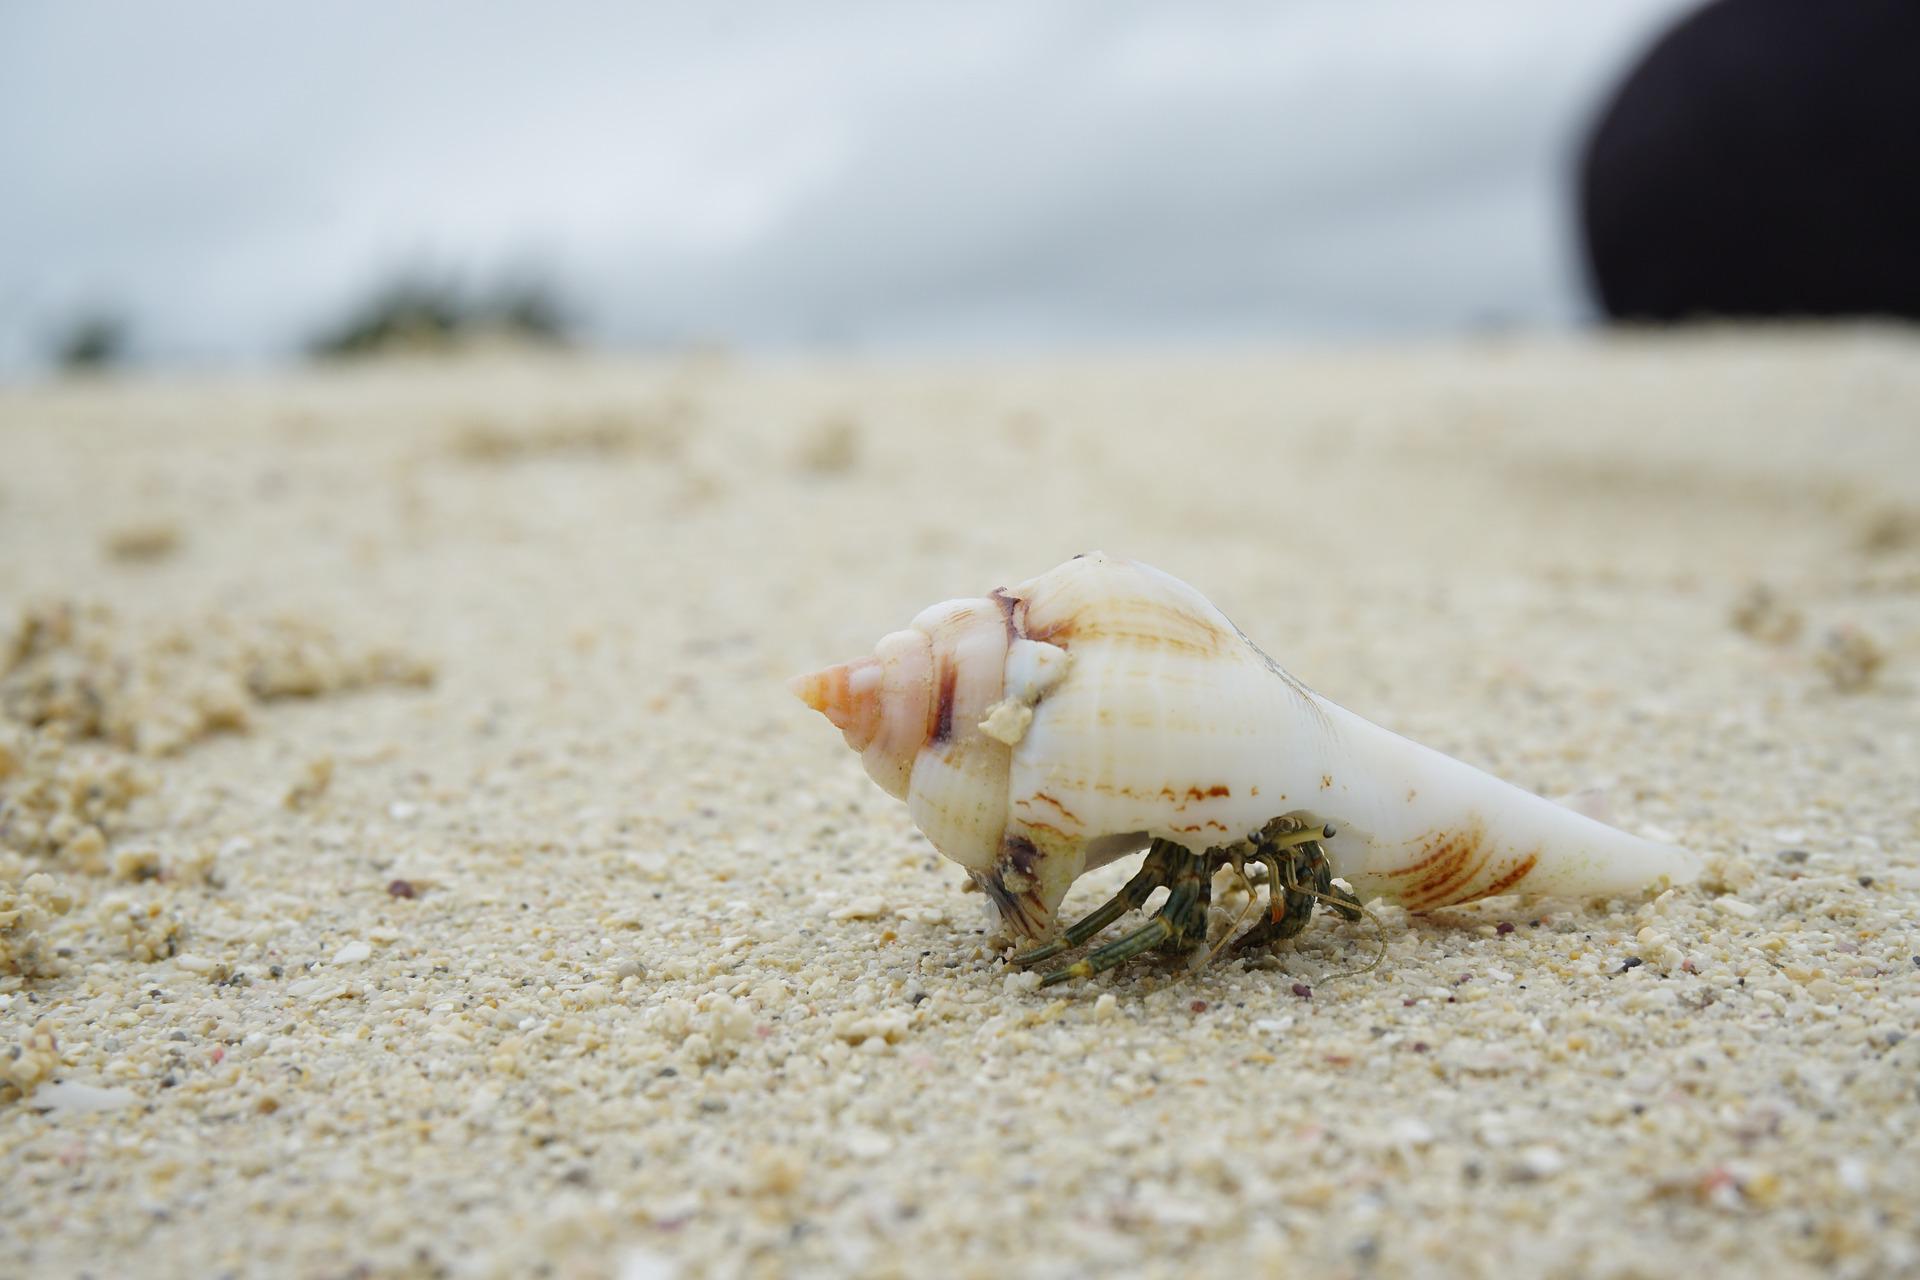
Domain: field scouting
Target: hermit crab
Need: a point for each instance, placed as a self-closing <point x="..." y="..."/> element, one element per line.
<point x="1105" y="707"/>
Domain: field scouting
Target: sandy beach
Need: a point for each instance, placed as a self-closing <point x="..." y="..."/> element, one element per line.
<point x="411" y="862"/>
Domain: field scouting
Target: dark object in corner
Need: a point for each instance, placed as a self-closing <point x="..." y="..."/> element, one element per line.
<point x="1762" y="160"/>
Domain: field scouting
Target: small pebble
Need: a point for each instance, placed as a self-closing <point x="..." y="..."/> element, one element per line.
<point x="146" y="540"/>
<point x="1761" y="613"/>
<point x="1411" y="1131"/>
<point x="1302" y="990"/>
<point x="70" y="1097"/>
<point x="865" y="1144"/>
<point x="831" y="447"/>
<point x="1851" y="659"/>
<point x="1536" y="1163"/>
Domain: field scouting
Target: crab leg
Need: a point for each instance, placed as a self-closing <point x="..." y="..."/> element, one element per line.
<point x="1180" y="923"/>
<point x="1132" y="896"/>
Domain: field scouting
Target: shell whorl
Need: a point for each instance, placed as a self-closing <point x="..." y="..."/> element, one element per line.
<point x="913" y="709"/>
<point x="883" y="704"/>
<point x="1051" y="727"/>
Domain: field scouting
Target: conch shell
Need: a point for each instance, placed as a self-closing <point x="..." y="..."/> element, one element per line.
<point x="1040" y="731"/>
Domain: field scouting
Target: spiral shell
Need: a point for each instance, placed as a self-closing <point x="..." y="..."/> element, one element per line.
<point x="1046" y="729"/>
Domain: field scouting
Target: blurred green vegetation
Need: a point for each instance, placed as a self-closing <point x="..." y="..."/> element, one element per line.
<point x="416" y="313"/>
<point x="92" y="343"/>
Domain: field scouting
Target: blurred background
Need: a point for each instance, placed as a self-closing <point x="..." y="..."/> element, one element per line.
<point x="223" y="183"/>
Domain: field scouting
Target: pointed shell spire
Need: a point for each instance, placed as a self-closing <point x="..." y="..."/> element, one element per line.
<point x="848" y="694"/>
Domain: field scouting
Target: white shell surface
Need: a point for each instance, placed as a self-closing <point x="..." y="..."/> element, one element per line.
<point x="1176" y="725"/>
<point x="958" y="790"/>
<point x="905" y="660"/>
<point x="1105" y="702"/>
<point x="1169" y="723"/>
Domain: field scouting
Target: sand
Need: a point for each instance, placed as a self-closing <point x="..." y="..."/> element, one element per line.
<point x="418" y="867"/>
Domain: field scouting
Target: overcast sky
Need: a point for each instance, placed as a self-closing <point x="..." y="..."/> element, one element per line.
<point x="230" y="177"/>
